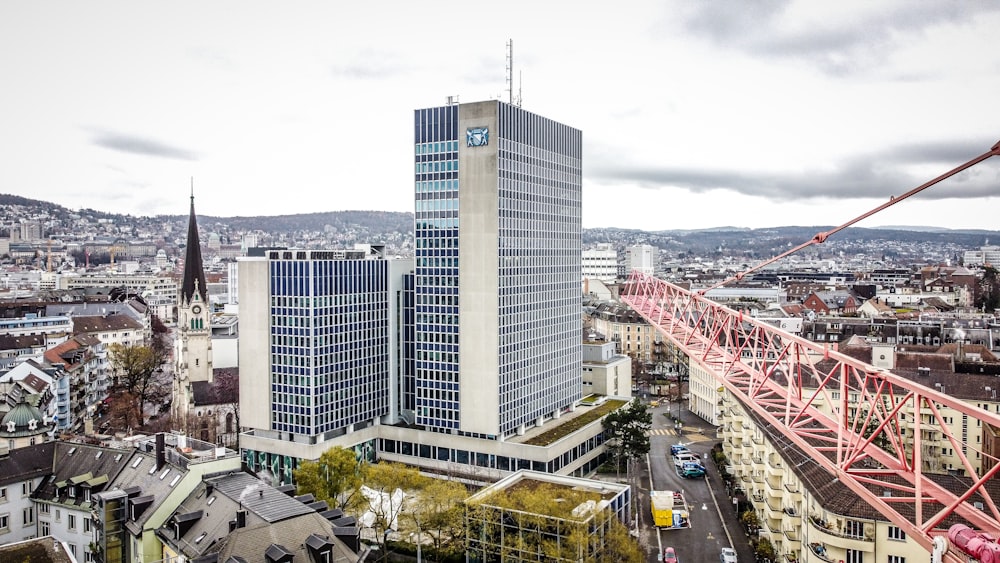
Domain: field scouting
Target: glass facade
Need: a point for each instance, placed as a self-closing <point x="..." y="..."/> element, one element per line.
<point x="538" y="212"/>
<point x="436" y="345"/>
<point x="329" y="340"/>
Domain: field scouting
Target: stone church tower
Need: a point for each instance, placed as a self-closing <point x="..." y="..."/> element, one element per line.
<point x="193" y="341"/>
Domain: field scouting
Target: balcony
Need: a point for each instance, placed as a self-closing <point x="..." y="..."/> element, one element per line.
<point x="820" y="552"/>
<point x="793" y="492"/>
<point x="830" y="534"/>
<point x="758" y="463"/>
<point x="774" y="486"/>
<point x="791" y="534"/>
<point x="774" y="508"/>
<point x="775" y="470"/>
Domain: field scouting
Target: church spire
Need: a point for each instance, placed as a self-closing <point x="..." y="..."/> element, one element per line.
<point x="194" y="270"/>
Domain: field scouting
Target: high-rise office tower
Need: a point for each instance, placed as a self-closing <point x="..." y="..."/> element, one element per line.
<point x="497" y="286"/>
<point x="318" y="352"/>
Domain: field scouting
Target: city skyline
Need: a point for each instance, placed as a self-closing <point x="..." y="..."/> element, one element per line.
<point x="694" y="116"/>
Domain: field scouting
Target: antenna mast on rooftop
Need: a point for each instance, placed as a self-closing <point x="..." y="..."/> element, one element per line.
<point x="510" y="77"/>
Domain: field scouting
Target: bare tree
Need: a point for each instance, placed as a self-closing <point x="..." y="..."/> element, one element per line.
<point x="135" y="368"/>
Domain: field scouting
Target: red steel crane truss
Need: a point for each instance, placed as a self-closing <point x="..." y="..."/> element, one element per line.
<point x="783" y="378"/>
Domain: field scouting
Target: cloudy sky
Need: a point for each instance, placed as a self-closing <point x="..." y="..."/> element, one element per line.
<point x="695" y="114"/>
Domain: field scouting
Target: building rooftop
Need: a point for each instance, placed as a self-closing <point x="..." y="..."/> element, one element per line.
<point x="561" y="495"/>
<point x="554" y="430"/>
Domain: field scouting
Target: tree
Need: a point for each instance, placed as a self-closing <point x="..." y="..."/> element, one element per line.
<point x="123" y="412"/>
<point x="988" y="292"/>
<point x="750" y="521"/>
<point x="382" y="481"/>
<point x="526" y="523"/>
<point x="226" y="388"/>
<point x="619" y="545"/>
<point x="438" y="509"/>
<point x="135" y="367"/>
<point x="765" y="550"/>
<point x="335" y="477"/>
<point x="628" y="431"/>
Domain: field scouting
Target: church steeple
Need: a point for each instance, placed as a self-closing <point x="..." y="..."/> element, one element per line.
<point x="194" y="270"/>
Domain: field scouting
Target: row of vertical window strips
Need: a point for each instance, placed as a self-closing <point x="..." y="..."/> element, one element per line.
<point x="435" y="125"/>
<point x="439" y="166"/>
<point x="436" y="205"/>
<point x="357" y="289"/>
<point x="540" y="251"/>
<point x="434" y="186"/>
<point x="521" y="126"/>
<point x="438" y="147"/>
<point x="435" y="131"/>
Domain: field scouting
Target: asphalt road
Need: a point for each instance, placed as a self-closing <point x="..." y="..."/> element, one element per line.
<point x="714" y="522"/>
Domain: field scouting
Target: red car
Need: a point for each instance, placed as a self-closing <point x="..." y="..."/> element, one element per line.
<point x="669" y="556"/>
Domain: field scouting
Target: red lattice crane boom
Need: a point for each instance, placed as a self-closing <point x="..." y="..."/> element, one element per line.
<point x="865" y="426"/>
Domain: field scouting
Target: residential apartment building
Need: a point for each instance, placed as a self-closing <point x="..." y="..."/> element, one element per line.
<point x="808" y="517"/>
<point x="104" y="503"/>
<point x="632" y="334"/>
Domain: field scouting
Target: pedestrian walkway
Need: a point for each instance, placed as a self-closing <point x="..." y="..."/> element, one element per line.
<point x="689" y="437"/>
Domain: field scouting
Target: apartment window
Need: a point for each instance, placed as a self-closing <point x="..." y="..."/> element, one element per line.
<point x="4" y="522"/>
<point x="29" y="516"/>
<point x="854" y="529"/>
<point x="43" y="508"/>
<point x="896" y="559"/>
<point x="43" y="528"/>
<point x="25" y="488"/>
<point x="86" y="524"/>
<point x="72" y="549"/>
<point x="3" y="494"/>
<point x="896" y="533"/>
<point x="71" y="521"/>
<point x="854" y="556"/>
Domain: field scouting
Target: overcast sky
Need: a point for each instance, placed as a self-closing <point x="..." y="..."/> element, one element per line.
<point x="694" y="113"/>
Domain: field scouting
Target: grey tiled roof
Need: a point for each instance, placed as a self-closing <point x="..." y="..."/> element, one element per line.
<point x="25" y="463"/>
<point x="271" y="518"/>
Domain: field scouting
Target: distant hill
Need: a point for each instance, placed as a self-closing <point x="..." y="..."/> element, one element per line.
<point x="752" y="243"/>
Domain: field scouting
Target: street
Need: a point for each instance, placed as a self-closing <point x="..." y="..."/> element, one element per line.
<point x="714" y="522"/>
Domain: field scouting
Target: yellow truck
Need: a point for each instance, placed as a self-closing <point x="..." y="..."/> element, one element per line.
<point x="670" y="510"/>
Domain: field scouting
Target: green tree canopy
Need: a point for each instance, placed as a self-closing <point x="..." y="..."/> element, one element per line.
<point x="628" y="430"/>
<point x="335" y="477"/>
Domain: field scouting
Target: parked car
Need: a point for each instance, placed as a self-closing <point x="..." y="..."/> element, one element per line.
<point x="681" y="459"/>
<point x="669" y="556"/>
<point x="728" y="555"/>
<point x="678" y="448"/>
<point x="691" y="470"/>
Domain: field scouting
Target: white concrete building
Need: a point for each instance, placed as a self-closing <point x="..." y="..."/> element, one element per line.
<point x="600" y="263"/>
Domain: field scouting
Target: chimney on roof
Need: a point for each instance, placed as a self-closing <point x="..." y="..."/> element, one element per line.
<point x="161" y="454"/>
